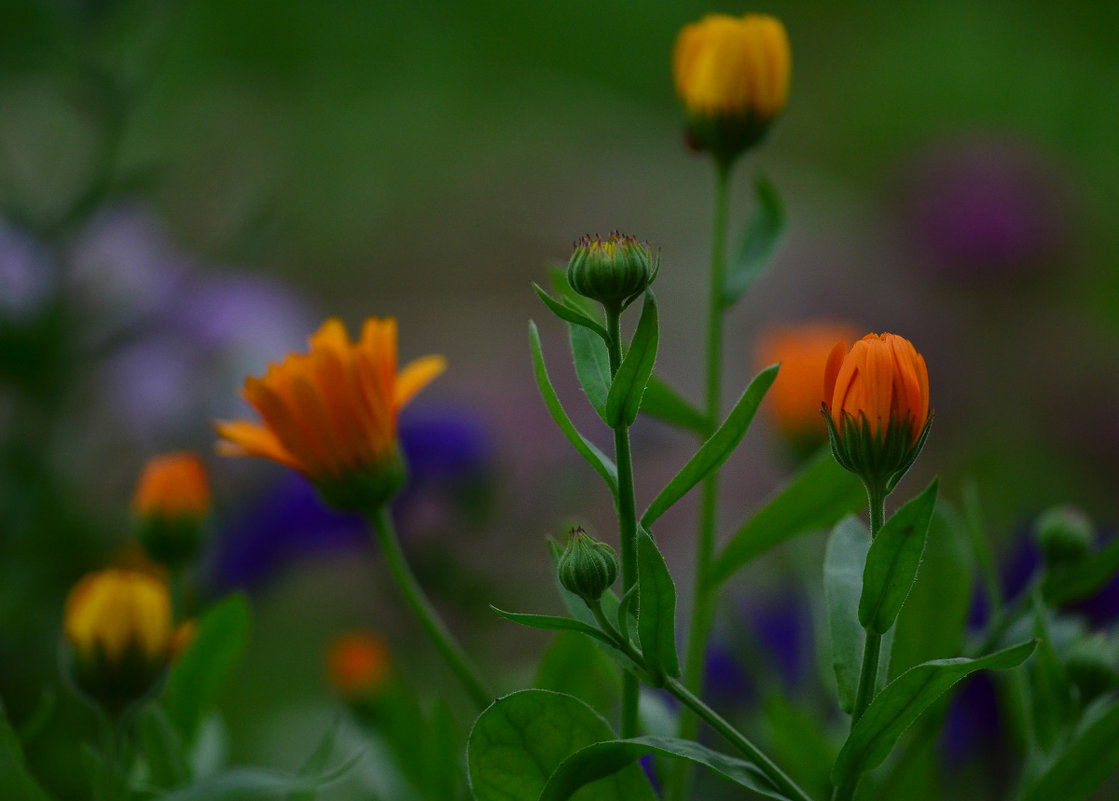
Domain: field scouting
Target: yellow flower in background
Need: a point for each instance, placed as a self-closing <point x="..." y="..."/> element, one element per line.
<point x="331" y="413"/>
<point x="732" y="75"/>
<point x="171" y="500"/>
<point x="357" y="663"/>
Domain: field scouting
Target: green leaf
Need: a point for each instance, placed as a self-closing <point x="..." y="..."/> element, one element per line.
<point x="932" y="622"/>
<point x="1071" y="583"/>
<point x="902" y="702"/>
<point x="1091" y="757"/>
<point x="1051" y="702"/>
<point x="624" y="399"/>
<point x="843" y="584"/>
<point x="198" y="674"/>
<point x="573" y="665"/>
<point x="163" y="748"/>
<point x="557" y="276"/>
<point x="252" y="784"/>
<point x="656" y="608"/>
<point x="554" y="623"/>
<point x="758" y="242"/>
<point x="892" y="562"/>
<point x="318" y="760"/>
<point x="520" y="739"/>
<point x="816" y="498"/>
<point x="571" y="314"/>
<point x="597" y="459"/>
<point x="669" y="406"/>
<point x="592" y="366"/>
<point x="716" y="450"/>
<point x="16" y="781"/>
<point x="606" y="758"/>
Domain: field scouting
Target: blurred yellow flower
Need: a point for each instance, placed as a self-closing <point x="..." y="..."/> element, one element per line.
<point x="113" y="612"/>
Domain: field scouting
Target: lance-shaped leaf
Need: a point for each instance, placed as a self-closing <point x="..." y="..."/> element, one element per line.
<point x="759" y="240"/>
<point x="1085" y="764"/>
<point x="656" y="608"/>
<point x="571" y="313"/>
<point x="902" y="702"/>
<point x="624" y="399"/>
<point x="716" y="450"/>
<point x="592" y="366"/>
<point x="519" y="740"/>
<point x="843" y="584"/>
<point x="606" y="758"/>
<point x="597" y="459"/>
<point x="669" y="406"/>
<point x="1051" y="702"/>
<point x="893" y="560"/>
<point x="554" y="623"/>
<point x="1071" y="583"/>
<point x="816" y="498"/>
<point x="16" y="780"/>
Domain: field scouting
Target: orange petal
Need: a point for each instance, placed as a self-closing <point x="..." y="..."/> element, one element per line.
<point x="242" y="438"/>
<point x="416" y="376"/>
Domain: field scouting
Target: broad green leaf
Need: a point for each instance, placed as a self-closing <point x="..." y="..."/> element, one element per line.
<point x="656" y="608"/>
<point x="816" y="498"/>
<point x="1087" y="762"/>
<point x="932" y="622"/>
<point x="16" y="781"/>
<point x="520" y="739"/>
<point x="755" y="249"/>
<point x="164" y="750"/>
<point x="1071" y="583"/>
<point x="903" y="701"/>
<point x="716" y="450"/>
<point x="592" y="366"/>
<point x="843" y="584"/>
<point x="800" y="746"/>
<point x="1051" y="702"/>
<point x="624" y="399"/>
<point x="892" y="562"/>
<point x="571" y="314"/>
<point x="602" y="759"/>
<point x="597" y="459"/>
<point x="198" y="674"/>
<point x="573" y="665"/>
<point x="669" y="406"/>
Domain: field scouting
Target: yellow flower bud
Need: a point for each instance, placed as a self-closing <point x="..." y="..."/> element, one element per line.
<point x="732" y="74"/>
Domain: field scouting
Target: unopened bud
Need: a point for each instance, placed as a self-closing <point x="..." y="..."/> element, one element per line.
<point x="587" y="567"/>
<point x="1065" y="534"/>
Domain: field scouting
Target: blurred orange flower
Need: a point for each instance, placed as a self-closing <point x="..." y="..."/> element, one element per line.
<point x="173" y="485"/>
<point x="357" y="663"/>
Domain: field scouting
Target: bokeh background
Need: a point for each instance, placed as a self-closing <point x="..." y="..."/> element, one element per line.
<point x="187" y="189"/>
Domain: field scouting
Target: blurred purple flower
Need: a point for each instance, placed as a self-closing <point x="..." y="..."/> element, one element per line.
<point x="782" y="628"/>
<point x="726" y="682"/>
<point x="983" y="206"/>
<point x="27" y="276"/>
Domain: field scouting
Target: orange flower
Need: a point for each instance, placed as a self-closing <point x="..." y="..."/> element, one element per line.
<point x="795" y="396"/>
<point x="331" y="413"/>
<point x="883" y="379"/>
<point x="173" y="485"/>
<point x="357" y="663"/>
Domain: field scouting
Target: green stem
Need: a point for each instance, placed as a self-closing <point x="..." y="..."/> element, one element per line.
<point x="459" y="662"/>
<point x="627" y="519"/>
<point x="703" y="600"/>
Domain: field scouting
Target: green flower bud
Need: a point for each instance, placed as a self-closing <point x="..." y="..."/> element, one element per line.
<point x="611" y="271"/>
<point x="1091" y="666"/>
<point x="587" y="567"/>
<point x="1065" y="534"/>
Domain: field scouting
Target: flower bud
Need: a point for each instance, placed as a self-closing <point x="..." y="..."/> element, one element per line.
<point x="118" y="623"/>
<point x="1091" y="666"/>
<point x="611" y="271"/>
<point x="357" y="664"/>
<point x="732" y="75"/>
<point x="1065" y="534"/>
<point x="171" y="501"/>
<point x="876" y="406"/>
<point x="587" y="567"/>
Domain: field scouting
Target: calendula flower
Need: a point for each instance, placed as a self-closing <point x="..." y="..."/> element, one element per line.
<point x="611" y="270"/>
<point x="357" y="664"/>
<point x="732" y="74"/>
<point x="877" y="406"/>
<point x="794" y="399"/>
<point x="118" y="623"/>
<point x="331" y="413"/>
<point x="171" y="500"/>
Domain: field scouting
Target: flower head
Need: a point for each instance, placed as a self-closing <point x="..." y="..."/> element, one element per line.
<point x="357" y="663"/>
<point x="171" y="500"/>
<point x="331" y="413"/>
<point x="877" y="406"/>
<point x="119" y="625"/>
<point x="732" y="74"/>
<point x="612" y="270"/>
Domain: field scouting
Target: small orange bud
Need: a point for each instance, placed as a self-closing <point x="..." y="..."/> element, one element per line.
<point x="173" y="485"/>
<point x="357" y="663"/>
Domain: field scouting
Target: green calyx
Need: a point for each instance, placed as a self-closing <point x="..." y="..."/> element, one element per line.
<point x="365" y="489"/>
<point x="114" y="683"/>
<point x="587" y="567"/>
<point x="170" y="540"/>
<point x="726" y="136"/>
<point x="612" y="271"/>
<point x="1091" y="664"/>
<point x="880" y="456"/>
